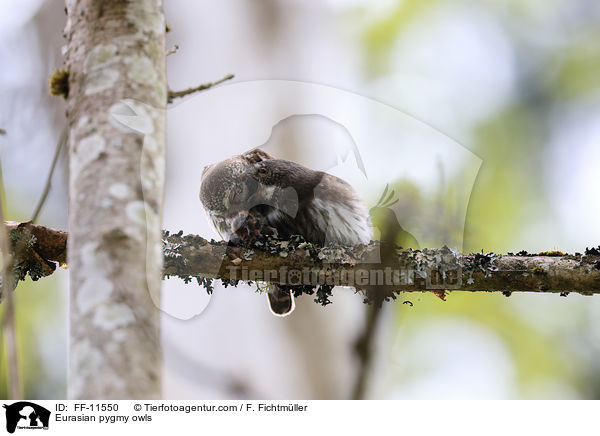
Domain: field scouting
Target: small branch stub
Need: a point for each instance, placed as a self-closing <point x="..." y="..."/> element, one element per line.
<point x="173" y="50"/>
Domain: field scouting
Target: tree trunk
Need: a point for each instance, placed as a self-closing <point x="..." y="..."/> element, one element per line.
<point x="115" y="109"/>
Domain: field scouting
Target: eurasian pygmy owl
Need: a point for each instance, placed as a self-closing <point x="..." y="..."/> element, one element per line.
<point x="253" y="195"/>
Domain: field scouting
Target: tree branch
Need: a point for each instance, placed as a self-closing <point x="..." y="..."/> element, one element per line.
<point x="296" y="262"/>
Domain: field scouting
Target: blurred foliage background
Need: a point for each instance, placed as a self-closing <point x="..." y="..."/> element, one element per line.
<point x="556" y="67"/>
<point x="517" y="83"/>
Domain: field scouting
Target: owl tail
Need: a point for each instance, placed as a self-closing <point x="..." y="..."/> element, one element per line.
<point x="281" y="301"/>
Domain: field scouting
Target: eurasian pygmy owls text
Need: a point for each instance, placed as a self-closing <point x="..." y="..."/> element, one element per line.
<point x="255" y="195"/>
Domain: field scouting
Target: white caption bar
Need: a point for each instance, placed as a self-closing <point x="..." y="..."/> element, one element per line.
<point x="299" y="417"/>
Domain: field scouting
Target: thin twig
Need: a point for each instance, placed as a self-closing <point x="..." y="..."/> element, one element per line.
<point x="15" y="385"/>
<point x="177" y="94"/>
<point x="364" y="350"/>
<point x="173" y="50"/>
<point x="61" y="141"/>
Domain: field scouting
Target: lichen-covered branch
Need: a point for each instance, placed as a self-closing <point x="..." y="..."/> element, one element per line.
<point x="36" y="250"/>
<point x="361" y="267"/>
<point x="298" y="263"/>
<point x="116" y="104"/>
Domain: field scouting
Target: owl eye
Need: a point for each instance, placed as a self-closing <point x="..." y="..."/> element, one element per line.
<point x="236" y="197"/>
<point x="261" y="171"/>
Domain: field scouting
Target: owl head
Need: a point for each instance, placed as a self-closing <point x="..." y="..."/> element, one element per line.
<point x="242" y="182"/>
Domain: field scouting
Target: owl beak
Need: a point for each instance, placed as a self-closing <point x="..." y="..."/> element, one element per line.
<point x="239" y="221"/>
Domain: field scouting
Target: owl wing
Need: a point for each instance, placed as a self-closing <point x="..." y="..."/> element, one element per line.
<point x="340" y="214"/>
<point x="331" y="212"/>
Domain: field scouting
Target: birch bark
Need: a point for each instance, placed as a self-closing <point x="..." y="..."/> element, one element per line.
<point x="115" y="109"/>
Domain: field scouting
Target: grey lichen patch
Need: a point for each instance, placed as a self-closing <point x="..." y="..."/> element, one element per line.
<point x="485" y="263"/>
<point x="119" y="335"/>
<point x="150" y="145"/>
<point x="119" y="190"/>
<point x="87" y="151"/>
<point x="140" y="69"/>
<point x="154" y="49"/>
<point x="140" y="217"/>
<point x="171" y="249"/>
<point x="23" y="245"/>
<point x="111" y="316"/>
<point x="100" y="57"/>
<point x="148" y="182"/>
<point x="136" y="212"/>
<point x="129" y="40"/>
<point x="101" y="80"/>
<point x="160" y="90"/>
<point x="83" y="121"/>
<point x="422" y="263"/>
<point x="86" y="361"/>
<point x="94" y="290"/>
<point x="100" y="68"/>
<point x="146" y="17"/>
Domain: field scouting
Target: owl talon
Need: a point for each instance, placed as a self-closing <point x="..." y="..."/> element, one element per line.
<point x="233" y="252"/>
<point x="281" y="302"/>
